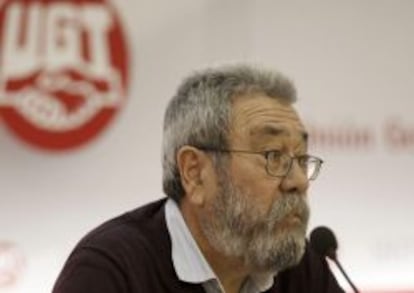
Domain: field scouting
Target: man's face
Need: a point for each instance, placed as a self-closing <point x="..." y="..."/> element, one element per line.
<point x="252" y="215"/>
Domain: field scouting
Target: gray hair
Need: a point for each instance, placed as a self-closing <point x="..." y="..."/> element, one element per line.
<point x="200" y="112"/>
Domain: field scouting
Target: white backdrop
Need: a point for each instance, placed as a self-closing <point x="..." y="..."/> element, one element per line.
<point x="352" y="64"/>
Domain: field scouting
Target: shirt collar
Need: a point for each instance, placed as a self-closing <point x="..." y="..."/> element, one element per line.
<point x="189" y="262"/>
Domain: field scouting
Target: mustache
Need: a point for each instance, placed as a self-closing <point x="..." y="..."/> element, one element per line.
<point x="289" y="204"/>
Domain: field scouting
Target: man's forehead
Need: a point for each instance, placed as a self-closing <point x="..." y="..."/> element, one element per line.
<point x="273" y="130"/>
<point x="261" y="117"/>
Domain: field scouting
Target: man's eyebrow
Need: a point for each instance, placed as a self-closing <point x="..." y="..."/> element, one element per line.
<point x="271" y="130"/>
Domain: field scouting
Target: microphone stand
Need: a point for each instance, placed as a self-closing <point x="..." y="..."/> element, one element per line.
<point x="345" y="275"/>
<point x="331" y="254"/>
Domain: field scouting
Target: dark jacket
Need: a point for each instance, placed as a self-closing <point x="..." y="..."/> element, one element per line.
<point x="132" y="254"/>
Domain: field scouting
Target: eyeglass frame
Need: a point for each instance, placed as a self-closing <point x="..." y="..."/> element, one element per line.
<point x="266" y="155"/>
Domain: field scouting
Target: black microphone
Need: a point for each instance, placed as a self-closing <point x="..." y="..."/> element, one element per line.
<point x="324" y="243"/>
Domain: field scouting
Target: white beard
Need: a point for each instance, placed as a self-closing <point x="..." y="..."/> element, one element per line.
<point x="267" y="242"/>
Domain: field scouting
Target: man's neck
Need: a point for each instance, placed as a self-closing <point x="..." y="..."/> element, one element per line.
<point x="231" y="273"/>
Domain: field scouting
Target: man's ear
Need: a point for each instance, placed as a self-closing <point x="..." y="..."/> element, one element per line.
<point x="191" y="162"/>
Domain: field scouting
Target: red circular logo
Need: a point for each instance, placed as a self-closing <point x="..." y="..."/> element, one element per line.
<point x="63" y="70"/>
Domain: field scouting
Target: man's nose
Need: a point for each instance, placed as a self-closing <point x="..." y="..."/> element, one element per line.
<point x="296" y="180"/>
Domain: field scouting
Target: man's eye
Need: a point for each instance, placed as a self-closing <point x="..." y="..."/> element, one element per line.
<point x="303" y="160"/>
<point x="273" y="155"/>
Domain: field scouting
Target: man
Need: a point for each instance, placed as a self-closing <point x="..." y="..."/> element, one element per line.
<point x="236" y="173"/>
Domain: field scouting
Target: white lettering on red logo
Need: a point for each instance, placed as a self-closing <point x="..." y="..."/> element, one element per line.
<point x="63" y="70"/>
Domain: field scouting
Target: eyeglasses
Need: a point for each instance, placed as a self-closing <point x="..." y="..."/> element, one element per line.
<point x="279" y="164"/>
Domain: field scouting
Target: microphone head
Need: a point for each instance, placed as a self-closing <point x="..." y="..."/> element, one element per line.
<point x="323" y="242"/>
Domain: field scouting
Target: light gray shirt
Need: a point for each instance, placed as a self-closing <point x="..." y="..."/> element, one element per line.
<point x="189" y="262"/>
